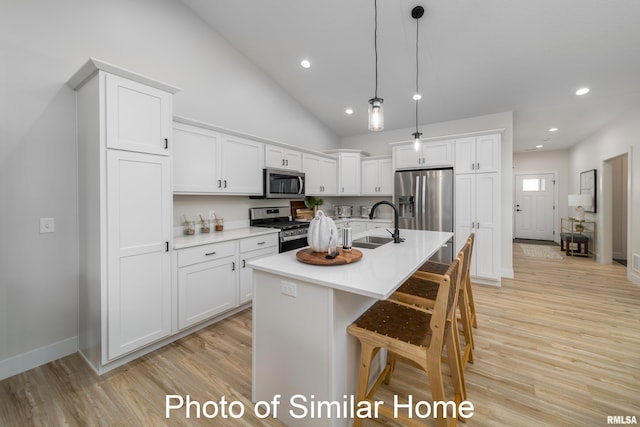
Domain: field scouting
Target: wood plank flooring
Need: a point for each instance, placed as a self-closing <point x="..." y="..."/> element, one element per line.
<point x="557" y="346"/>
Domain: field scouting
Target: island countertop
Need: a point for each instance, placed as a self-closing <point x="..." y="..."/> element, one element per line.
<point x="377" y="274"/>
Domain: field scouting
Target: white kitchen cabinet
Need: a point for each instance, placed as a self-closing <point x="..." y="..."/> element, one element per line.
<point x="139" y="263"/>
<point x="251" y="249"/>
<point x="282" y="158"/>
<point x="429" y="154"/>
<point x="241" y="165"/>
<point x="207" y="282"/>
<point x="377" y="177"/>
<point x="477" y="209"/>
<point x="195" y="155"/>
<point x="321" y="175"/>
<point x="349" y="174"/>
<point x="209" y="162"/>
<point x="478" y="154"/>
<point x="124" y="212"/>
<point x="138" y="116"/>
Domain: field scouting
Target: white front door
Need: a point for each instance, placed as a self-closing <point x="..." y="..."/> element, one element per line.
<point x="534" y="206"/>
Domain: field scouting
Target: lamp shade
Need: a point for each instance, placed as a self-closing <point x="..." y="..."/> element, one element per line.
<point x="579" y="200"/>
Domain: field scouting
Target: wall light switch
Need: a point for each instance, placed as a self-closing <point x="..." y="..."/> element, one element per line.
<point x="47" y="225"/>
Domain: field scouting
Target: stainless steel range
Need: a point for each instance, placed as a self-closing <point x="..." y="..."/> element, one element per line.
<point x="293" y="234"/>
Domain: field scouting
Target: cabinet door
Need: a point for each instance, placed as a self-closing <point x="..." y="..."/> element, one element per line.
<point x="274" y="157"/>
<point x="349" y="174"/>
<point x="385" y="186"/>
<point x="293" y="160"/>
<point x="139" y="231"/>
<point x="241" y="164"/>
<point x="138" y="117"/>
<point x="465" y="155"/>
<point x="487" y="252"/>
<point x="488" y="153"/>
<point x="313" y="174"/>
<point x="195" y="151"/>
<point x="206" y="289"/>
<point x="465" y="206"/>
<point x="329" y="176"/>
<point x="405" y="156"/>
<point x="370" y="177"/>
<point x="246" y="272"/>
<point x="438" y="153"/>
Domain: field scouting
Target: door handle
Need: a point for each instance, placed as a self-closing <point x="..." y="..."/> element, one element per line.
<point x="518" y="210"/>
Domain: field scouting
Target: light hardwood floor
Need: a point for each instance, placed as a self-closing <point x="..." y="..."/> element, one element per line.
<point x="557" y="346"/>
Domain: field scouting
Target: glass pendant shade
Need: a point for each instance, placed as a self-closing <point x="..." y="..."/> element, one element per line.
<point x="376" y="114"/>
<point x="416" y="141"/>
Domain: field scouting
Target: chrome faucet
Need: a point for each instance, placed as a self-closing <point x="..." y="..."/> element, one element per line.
<point x="396" y="231"/>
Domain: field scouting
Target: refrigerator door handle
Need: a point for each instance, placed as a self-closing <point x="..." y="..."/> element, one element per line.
<point x="416" y="204"/>
<point x="423" y="214"/>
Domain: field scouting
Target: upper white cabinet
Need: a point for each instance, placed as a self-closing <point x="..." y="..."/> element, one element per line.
<point x="377" y="177"/>
<point x="429" y="154"/>
<point x="124" y="211"/>
<point x="209" y="162"/>
<point x="138" y="117"/>
<point x="321" y="175"/>
<point x="282" y="158"/>
<point x="349" y="174"/>
<point x="478" y="154"/>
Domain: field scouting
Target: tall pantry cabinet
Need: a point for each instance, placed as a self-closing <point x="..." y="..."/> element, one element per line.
<point x="124" y="142"/>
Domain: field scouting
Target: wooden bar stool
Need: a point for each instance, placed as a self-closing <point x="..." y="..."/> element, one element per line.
<point x="440" y="268"/>
<point x="421" y="290"/>
<point x="414" y="334"/>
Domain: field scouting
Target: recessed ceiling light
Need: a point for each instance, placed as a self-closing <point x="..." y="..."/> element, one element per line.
<point x="349" y="111"/>
<point x="417" y="97"/>
<point x="305" y="63"/>
<point x="553" y="130"/>
<point x="539" y="146"/>
<point x="582" y="91"/>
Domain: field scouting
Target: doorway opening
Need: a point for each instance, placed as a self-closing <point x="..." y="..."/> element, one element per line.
<point x="615" y="190"/>
<point x="535" y="202"/>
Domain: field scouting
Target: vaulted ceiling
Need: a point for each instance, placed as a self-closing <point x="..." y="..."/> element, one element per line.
<point x="476" y="58"/>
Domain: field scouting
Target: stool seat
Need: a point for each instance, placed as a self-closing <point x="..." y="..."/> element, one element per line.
<point x="581" y="242"/>
<point x="575" y="238"/>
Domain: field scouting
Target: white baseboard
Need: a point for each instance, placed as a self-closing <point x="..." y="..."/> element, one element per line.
<point x="34" y="358"/>
<point x="507" y="273"/>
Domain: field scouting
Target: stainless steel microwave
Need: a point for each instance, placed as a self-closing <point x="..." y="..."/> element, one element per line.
<point x="282" y="184"/>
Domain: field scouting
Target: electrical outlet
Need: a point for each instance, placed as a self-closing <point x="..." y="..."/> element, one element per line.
<point x="47" y="225"/>
<point x="288" y="288"/>
<point x="212" y="214"/>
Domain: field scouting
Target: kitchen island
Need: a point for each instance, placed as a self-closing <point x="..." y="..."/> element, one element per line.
<point x="302" y="354"/>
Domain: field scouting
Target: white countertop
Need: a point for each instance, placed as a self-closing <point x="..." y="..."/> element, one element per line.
<point x="182" y="242"/>
<point x="377" y="274"/>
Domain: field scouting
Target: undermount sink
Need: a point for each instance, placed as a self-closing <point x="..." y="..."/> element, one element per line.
<point x="371" y="242"/>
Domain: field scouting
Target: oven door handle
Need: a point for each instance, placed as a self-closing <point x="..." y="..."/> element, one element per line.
<point x="290" y="238"/>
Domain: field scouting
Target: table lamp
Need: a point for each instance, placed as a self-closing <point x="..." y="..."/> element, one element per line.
<point x="579" y="201"/>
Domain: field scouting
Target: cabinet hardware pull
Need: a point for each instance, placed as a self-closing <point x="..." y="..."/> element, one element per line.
<point x="282" y="162"/>
<point x="287" y="164"/>
<point x="166" y="143"/>
<point x="210" y="253"/>
<point x="233" y="266"/>
<point x="225" y="183"/>
<point x="473" y="166"/>
<point x="166" y="249"/>
<point x="219" y="183"/>
<point x="261" y="243"/>
<point x="478" y="166"/>
<point x="244" y="263"/>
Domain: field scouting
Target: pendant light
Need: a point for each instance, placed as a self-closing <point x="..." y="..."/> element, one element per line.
<point x="417" y="13"/>
<point x="376" y="112"/>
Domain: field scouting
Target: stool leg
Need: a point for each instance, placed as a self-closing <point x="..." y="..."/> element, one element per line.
<point x="434" y="371"/>
<point x="366" y="355"/>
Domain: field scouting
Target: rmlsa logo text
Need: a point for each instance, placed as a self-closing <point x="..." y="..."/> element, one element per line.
<point x="621" y="419"/>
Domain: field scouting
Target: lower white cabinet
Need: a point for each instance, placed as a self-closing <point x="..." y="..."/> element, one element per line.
<point x="207" y="282"/>
<point x="215" y="278"/>
<point x="251" y="249"/>
<point x="478" y="211"/>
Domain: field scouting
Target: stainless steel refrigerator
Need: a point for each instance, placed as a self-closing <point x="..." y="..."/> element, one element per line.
<point x="425" y="202"/>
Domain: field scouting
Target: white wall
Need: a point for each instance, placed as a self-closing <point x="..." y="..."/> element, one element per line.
<point x="620" y="137"/>
<point x="556" y="161"/>
<point x="377" y="143"/>
<point x="41" y="45"/>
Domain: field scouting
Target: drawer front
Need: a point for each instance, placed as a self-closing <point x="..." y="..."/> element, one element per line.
<point x="204" y="253"/>
<point x="258" y="242"/>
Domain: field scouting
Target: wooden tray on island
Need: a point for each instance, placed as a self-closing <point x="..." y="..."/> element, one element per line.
<point x="318" y="258"/>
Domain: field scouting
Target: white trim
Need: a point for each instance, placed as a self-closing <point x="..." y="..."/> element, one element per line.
<point x="34" y="358"/>
<point x="453" y="136"/>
